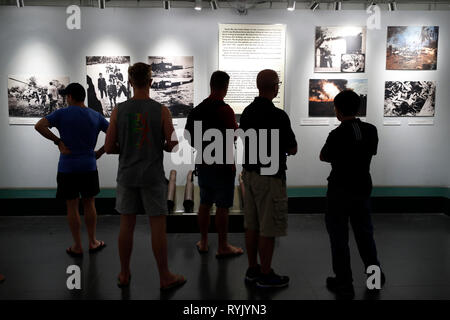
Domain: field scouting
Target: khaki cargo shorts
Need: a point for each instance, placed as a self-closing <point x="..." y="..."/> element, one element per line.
<point x="265" y="204"/>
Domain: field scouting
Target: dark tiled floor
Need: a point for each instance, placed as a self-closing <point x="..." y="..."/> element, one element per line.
<point x="414" y="250"/>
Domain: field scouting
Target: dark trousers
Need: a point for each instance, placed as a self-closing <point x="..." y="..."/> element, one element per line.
<point x="103" y="90"/>
<point x="122" y="89"/>
<point x="340" y="211"/>
<point x="111" y="99"/>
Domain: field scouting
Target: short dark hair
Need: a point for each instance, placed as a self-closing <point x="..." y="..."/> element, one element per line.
<point x="347" y="102"/>
<point x="75" y="90"/>
<point x="140" y="74"/>
<point x="219" y="80"/>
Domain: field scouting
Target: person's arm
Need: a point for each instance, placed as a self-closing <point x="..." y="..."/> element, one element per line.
<point x="230" y="119"/>
<point x="168" y="130"/>
<point x="99" y="152"/>
<point x="375" y="141"/>
<point x="111" y="141"/>
<point x="42" y="126"/>
<point x="104" y="124"/>
<point x="327" y="154"/>
<point x="189" y="129"/>
<point x="292" y="151"/>
<point x="291" y="142"/>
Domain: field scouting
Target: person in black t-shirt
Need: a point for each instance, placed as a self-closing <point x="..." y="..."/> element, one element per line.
<point x="349" y="148"/>
<point x="265" y="199"/>
<point x="216" y="180"/>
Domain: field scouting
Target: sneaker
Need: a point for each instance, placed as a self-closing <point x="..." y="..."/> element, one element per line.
<point x="272" y="280"/>
<point x="343" y="290"/>
<point x="252" y="274"/>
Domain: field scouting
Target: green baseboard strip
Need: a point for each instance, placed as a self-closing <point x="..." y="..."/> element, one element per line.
<point x="411" y="192"/>
<point x="299" y="192"/>
<point x="293" y="192"/>
<point x="303" y="192"/>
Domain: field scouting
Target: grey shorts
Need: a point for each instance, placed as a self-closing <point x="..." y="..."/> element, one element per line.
<point x="151" y="200"/>
<point x="265" y="204"/>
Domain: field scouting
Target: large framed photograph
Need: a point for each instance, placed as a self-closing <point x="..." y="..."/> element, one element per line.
<point x="107" y="82"/>
<point x="409" y="98"/>
<point x="173" y="83"/>
<point x="33" y="96"/>
<point x="323" y="91"/>
<point x="340" y="49"/>
<point x="412" y="48"/>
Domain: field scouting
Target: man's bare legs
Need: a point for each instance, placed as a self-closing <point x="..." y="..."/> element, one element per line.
<point x="221" y="222"/>
<point x="203" y="224"/>
<point x="73" y="217"/>
<point x="222" y="230"/>
<point x="127" y="224"/>
<point x="251" y="242"/>
<point x="90" y="218"/>
<point x="159" y="246"/>
<point x="266" y="247"/>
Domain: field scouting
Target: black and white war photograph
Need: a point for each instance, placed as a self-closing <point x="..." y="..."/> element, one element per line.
<point x="352" y="62"/>
<point x="107" y="82"/>
<point x="173" y="83"/>
<point x="31" y="97"/>
<point x="323" y="91"/>
<point x="340" y="49"/>
<point x="409" y="98"/>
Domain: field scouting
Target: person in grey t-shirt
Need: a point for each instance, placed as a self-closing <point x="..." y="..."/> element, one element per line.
<point x="140" y="130"/>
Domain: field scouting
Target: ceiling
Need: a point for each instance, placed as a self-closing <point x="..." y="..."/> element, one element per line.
<point x="276" y="4"/>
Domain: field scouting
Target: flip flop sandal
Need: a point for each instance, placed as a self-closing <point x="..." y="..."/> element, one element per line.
<point x="97" y="249"/>
<point x="73" y="253"/>
<point x="123" y="285"/>
<point x="202" y="251"/>
<point x="229" y="255"/>
<point x="174" y="285"/>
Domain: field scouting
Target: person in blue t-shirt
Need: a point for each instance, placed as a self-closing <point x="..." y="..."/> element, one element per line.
<point x="78" y="128"/>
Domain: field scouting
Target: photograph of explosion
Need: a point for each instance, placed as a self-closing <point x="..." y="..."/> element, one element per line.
<point x="340" y="49"/>
<point x="323" y="91"/>
<point x="107" y="82"/>
<point x="173" y="83"/>
<point x="412" y="48"/>
<point x="409" y="98"/>
<point x="31" y="97"/>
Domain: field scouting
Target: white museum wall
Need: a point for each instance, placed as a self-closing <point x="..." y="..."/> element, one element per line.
<point x="35" y="40"/>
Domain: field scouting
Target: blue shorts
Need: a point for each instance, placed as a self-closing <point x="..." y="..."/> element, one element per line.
<point x="217" y="186"/>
